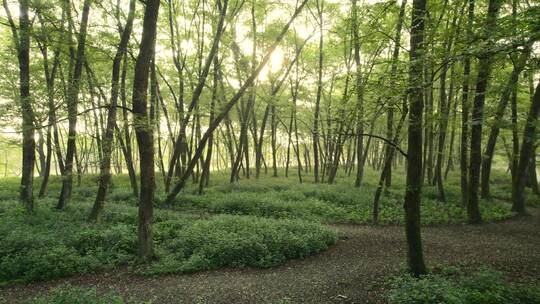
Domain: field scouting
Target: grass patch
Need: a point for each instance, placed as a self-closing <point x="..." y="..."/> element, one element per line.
<point x="454" y="287"/>
<point x="67" y="294"/>
<point x="330" y="204"/>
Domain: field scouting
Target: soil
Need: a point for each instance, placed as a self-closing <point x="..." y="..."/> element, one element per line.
<point x="352" y="271"/>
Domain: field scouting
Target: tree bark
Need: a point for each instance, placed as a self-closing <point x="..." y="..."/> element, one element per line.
<point x="393" y="73"/>
<point x="484" y="71"/>
<point x="499" y="114"/>
<point x="359" y="99"/>
<point x="21" y="39"/>
<point x="414" y="150"/>
<point x="72" y="103"/>
<point x="108" y="138"/>
<point x="525" y="155"/>
<point x="465" y="105"/>
<point x="316" y="114"/>
<point x="144" y="129"/>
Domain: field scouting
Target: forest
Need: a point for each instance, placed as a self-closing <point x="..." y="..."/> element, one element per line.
<point x="269" y="151"/>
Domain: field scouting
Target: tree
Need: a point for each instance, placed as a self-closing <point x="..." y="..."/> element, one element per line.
<point x="72" y="103"/>
<point x="526" y="153"/>
<point x="414" y="149"/>
<point x="105" y="167"/>
<point x="464" y="150"/>
<point x="484" y="71"/>
<point x="316" y="114"/>
<point x="21" y="37"/>
<point x="228" y="106"/>
<point x="359" y="100"/>
<point x="499" y="113"/>
<point x="144" y="129"/>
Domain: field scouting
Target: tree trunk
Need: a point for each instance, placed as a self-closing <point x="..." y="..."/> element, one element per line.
<point x="319" y="94"/>
<point x="359" y="99"/>
<point x="21" y="39"/>
<point x="484" y="71"/>
<point x="499" y="114"/>
<point x="393" y="74"/>
<point x="227" y="107"/>
<point x="144" y="129"/>
<point x="108" y="138"/>
<point x="72" y="103"/>
<point x="414" y="150"/>
<point x="464" y="149"/>
<point x="525" y="155"/>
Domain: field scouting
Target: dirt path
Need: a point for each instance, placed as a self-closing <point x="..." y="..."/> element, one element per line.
<point x="346" y="273"/>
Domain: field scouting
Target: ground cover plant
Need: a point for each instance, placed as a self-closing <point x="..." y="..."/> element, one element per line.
<point x="51" y="244"/>
<point x="452" y="286"/>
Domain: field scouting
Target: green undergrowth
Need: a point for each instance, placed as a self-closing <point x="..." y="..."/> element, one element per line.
<point x="68" y="294"/>
<point x="50" y="244"/>
<point x="332" y="204"/>
<point x="452" y="286"/>
<point x="251" y="223"/>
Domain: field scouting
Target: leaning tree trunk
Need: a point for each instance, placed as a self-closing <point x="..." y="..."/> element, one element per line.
<point x="108" y="139"/>
<point x="414" y="150"/>
<point x="525" y="155"/>
<point x="499" y="113"/>
<point x="227" y="107"/>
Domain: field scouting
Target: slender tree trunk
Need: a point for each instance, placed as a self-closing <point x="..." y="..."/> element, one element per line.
<point x="388" y="162"/>
<point x="294" y="93"/>
<point x="72" y="103"/>
<point x="494" y="131"/>
<point x="227" y="107"/>
<point x="274" y="148"/>
<point x="393" y="74"/>
<point x="465" y="105"/>
<point x="52" y="129"/>
<point x="316" y="114"/>
<point x="484" y="71"/>
<point x="178" y="148"/>
<point x="444" y="109"/>
<point x="128" y="154"/>
<point x="108" y="138"/>
<point x="206" y="169"/>
<point x="359" y="98"/>
<point x="450" y="163"/>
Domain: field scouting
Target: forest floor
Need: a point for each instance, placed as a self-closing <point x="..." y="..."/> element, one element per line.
<point x="352" y="271"/>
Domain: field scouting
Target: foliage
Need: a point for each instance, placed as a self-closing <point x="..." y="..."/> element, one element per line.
<point x="453" y="287"/>
<point x="337" y="203"/>
<point x="252" y="223"/>
<point x="236" y="241"/>
<point x="67" y="294"/>
<point x="50" y="244"/>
